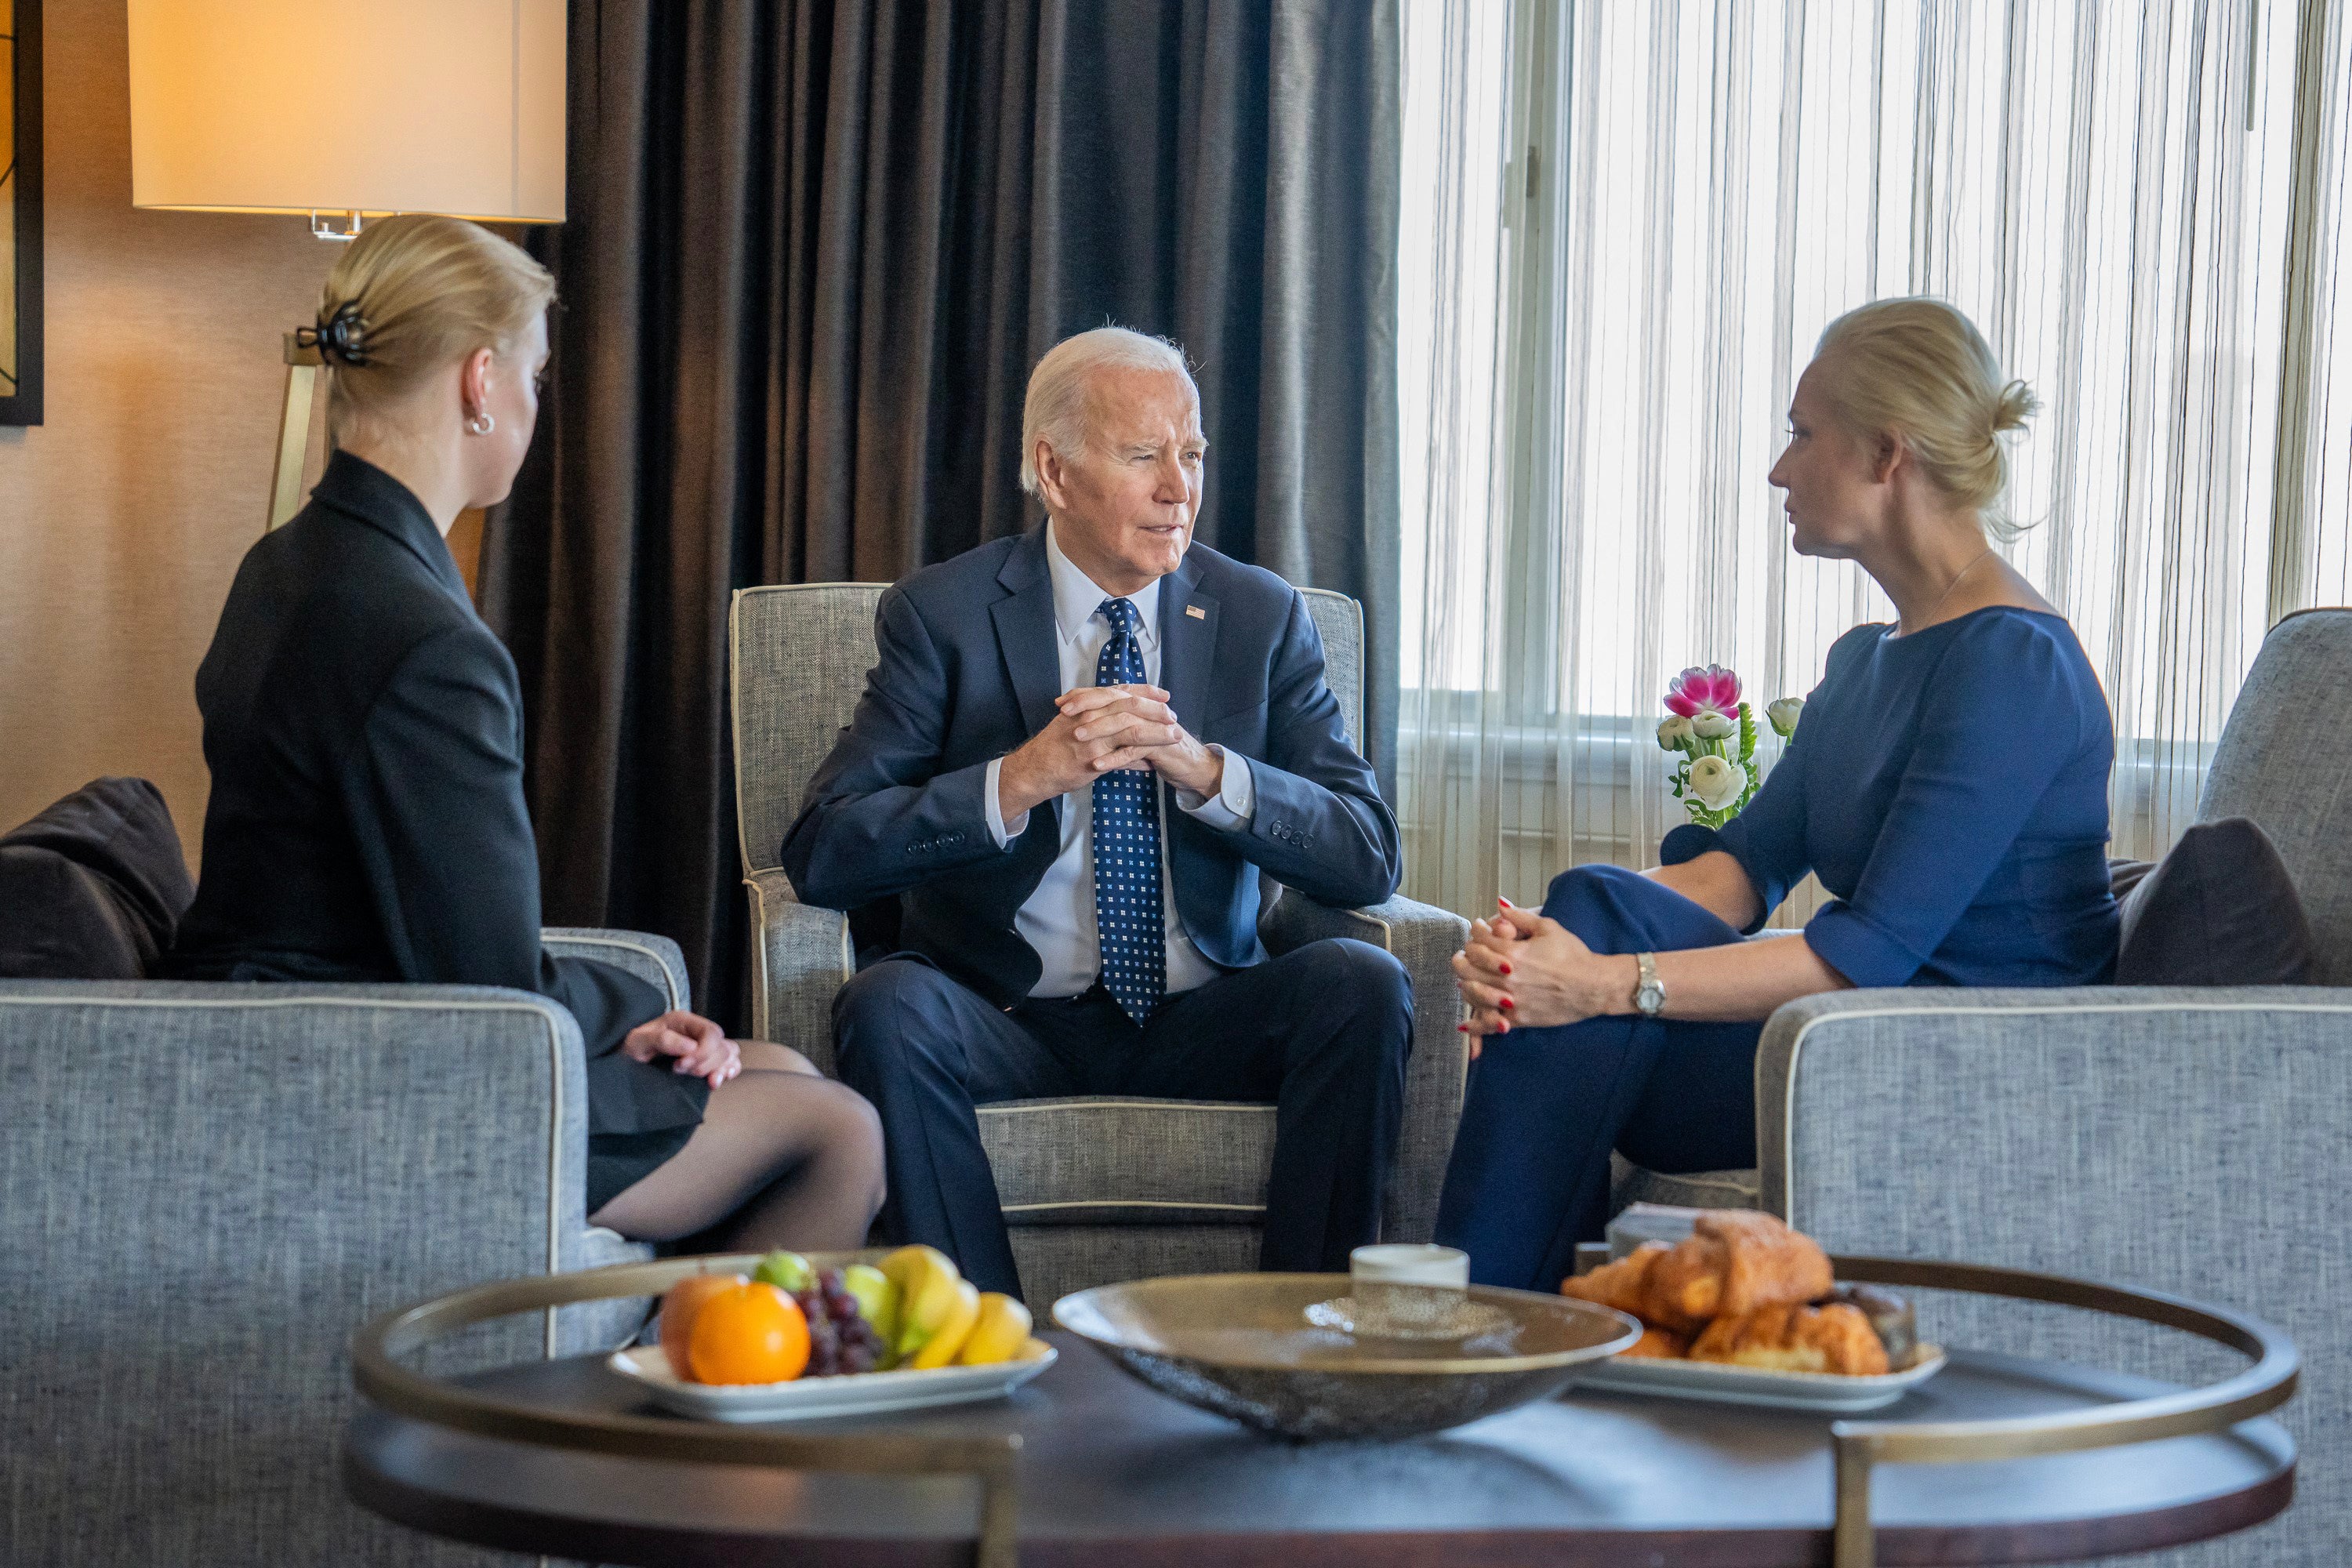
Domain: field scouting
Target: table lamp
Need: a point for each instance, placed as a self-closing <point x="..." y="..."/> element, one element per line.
<point x="346" y="110"/>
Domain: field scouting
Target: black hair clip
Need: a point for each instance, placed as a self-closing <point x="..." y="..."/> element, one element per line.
<point x="341" y="337"/>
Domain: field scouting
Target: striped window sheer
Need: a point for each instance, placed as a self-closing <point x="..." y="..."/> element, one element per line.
<point x="1624" y="225"/>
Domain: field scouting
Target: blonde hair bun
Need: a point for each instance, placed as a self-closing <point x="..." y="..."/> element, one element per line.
<point x="2017" y="405"/>
<point x="1918" y="368"/>
<point x="410" y="295"/>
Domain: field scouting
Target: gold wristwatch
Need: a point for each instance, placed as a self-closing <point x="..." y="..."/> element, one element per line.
<point x="1650" y="994"/>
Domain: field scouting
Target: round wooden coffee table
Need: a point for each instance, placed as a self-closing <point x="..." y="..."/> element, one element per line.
<point x="1093" y="1469"/>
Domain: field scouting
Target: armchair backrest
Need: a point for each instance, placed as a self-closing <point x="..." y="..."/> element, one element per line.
<point x="799" y="657"/>
<point x="208" y="1188"/>
<point x="800" y="654"/>
<point x="2282" y="764"/>
<point x="1339" y="622"/>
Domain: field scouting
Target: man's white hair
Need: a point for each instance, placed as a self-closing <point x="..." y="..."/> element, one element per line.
<point x="1057" y="409"/>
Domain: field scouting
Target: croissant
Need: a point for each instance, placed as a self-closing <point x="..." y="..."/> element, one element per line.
<point x="1620" y="1284"/>
<point x="1891" y="1317"/>
<point x="1657" y="1345"/>
<point x="1836" y="1338"/>
<point x="1733" y="1263"/>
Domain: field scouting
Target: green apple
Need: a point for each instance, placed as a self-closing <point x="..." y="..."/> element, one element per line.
<point x="787" y="1271"/>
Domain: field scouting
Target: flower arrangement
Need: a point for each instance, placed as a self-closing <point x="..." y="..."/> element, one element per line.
<point x="1715" y="733"/>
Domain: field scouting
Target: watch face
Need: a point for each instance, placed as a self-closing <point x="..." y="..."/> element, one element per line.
<point x="1649" y="998"/>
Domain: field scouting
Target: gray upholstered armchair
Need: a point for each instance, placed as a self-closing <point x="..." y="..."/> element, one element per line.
<point x="1094" y="1189"/>
<point x="204" y="1188"/>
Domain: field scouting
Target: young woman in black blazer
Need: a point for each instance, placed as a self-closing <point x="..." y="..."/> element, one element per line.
<point x="365" y="731"/>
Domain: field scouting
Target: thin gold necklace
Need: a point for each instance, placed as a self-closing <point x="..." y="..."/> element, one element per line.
<point x="1947" y="591"/>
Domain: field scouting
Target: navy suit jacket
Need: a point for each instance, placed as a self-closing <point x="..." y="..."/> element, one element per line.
<point x="967" y="671"/>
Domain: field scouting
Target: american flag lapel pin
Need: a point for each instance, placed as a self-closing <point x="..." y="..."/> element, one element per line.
<point x="1197" y="613"/>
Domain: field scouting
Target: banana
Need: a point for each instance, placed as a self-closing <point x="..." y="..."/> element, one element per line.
<point x="998" y="1335"/>
<point x="927" y="1296"/>
<point x="949" y="1336"/>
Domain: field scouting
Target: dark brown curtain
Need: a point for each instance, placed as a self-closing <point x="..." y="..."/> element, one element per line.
<point x="813" y="250"/>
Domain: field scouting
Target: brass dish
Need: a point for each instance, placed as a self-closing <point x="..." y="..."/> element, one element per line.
<point x="1240" y="1345"/>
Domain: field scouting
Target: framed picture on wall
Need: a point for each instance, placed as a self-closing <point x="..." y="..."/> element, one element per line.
<point x="20" y="211"/>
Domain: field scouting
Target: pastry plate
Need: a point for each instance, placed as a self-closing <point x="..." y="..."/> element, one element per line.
<point x="1820" y="1391"/>
<point x="857" y="1393"/>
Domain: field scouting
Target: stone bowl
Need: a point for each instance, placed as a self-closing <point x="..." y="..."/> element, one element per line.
<point x="1241" y="1345"/>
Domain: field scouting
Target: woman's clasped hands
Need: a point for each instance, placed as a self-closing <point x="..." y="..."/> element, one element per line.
<point x="701" y="1047"/>
<point x="1525" y="970"/>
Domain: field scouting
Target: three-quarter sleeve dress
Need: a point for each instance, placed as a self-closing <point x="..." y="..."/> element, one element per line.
<point x="1950" y="790"/>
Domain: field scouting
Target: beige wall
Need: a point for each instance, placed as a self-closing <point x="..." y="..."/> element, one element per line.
<point x="123" y="517"/>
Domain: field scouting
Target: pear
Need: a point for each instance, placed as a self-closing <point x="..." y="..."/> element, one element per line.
<point x="877" y="1299"/>
<point x="949" y="1336"/>
<point x="998" y="1335"/>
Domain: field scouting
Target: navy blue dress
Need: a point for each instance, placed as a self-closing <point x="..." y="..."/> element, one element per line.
<point x="1950" y="788"/>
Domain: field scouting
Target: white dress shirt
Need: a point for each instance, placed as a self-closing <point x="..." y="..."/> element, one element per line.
<point x="1058" y="921"/>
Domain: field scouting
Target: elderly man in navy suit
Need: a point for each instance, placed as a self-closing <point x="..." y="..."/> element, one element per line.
<point x="1074" y="754"/>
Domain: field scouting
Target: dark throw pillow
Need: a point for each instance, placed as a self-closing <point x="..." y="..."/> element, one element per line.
<point x="2219" y="909"/>
<point x="94" y="887"/>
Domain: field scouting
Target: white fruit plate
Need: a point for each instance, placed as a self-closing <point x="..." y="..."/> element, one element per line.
<point x="853" y="1393"/>
<point x="1818" y="1391"/>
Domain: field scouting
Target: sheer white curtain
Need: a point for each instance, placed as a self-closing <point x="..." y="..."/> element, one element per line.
<point x="1624" y="227"/>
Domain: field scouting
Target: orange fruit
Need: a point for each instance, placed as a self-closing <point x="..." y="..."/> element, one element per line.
<point x="750" y="1333"/>
<point x="677" y="1309"/>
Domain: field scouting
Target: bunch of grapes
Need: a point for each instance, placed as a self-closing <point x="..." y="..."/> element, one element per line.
<point x="840" y="1339"/>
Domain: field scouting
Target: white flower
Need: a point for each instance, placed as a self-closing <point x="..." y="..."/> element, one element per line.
<point x="1718" y="782"/>
<point x="1674" y="732"/>
<point x="1712" y="725"/>
<point x="1784" y="714"/>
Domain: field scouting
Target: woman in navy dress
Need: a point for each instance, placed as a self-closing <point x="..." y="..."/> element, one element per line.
<point x="1948" y="782"/>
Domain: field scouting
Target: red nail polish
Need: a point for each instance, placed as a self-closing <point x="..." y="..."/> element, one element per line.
<point x="1507" y="968"/>
<point x="1505" y="1004"/>
<point x="1461" y="1028"/>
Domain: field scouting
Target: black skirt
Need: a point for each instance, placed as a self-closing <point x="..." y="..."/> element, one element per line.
<point x="619" y="1161"/>
<point x="639" y="1114"/>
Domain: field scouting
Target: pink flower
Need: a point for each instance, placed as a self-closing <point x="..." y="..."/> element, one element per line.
<point x="1714" y="690"/>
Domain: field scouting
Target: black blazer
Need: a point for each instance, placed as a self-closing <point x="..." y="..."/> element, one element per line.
<point x="365" y="731"/>
<point x="967" y="671"/>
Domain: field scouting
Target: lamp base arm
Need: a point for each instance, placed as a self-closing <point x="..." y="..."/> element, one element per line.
<point x="293" y="432"/>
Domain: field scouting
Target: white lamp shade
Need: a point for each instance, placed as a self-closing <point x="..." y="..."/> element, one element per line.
<point x="367" y="106"/>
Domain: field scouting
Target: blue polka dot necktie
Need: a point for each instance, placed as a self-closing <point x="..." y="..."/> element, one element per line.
<point x="1126" y="848"/>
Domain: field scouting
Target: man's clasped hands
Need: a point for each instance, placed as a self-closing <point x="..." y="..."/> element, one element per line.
<point x="1099" y="729"/>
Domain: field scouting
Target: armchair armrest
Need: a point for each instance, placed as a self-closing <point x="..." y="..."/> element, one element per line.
<point x="656" y="960"/>
<point x="800" y="956"/>
<point x="2052" y="1094"/>
<point x="2186" y="1139"/>
<point x="1423" y="940"/>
